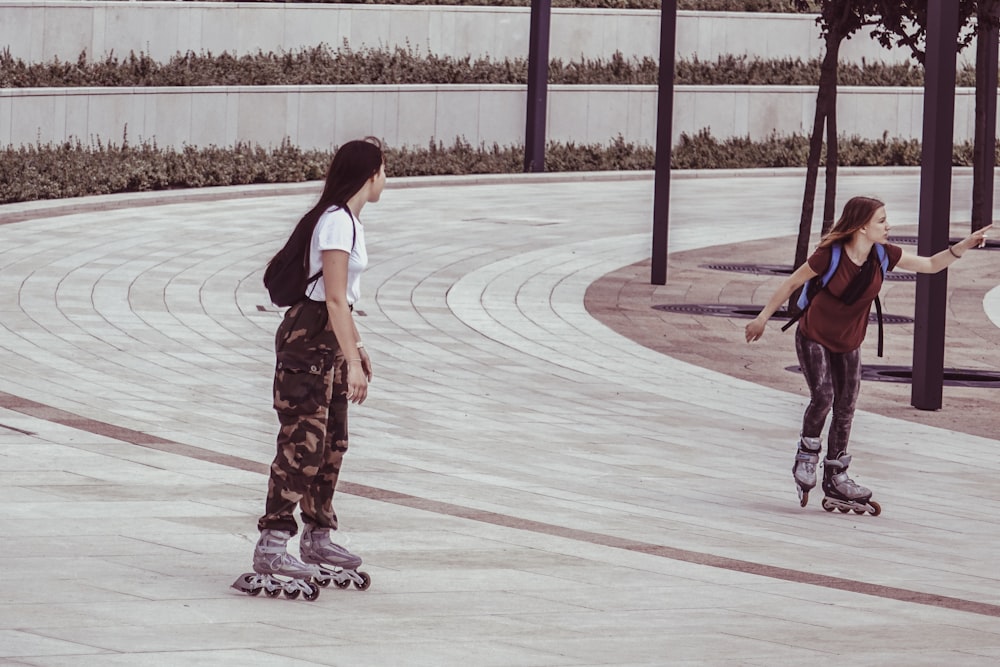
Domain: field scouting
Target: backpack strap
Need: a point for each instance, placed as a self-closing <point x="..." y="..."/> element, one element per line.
<point x="835" y="252"/>
<point x="354" y="240"/>
<point x="883" y="260"/>
<point x="878" y="313"/>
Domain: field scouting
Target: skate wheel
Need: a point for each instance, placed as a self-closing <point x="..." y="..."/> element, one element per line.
<point x="312" y="593"/>
<point x="253" y="592"/>
<point x="291" y="595"/>
<point x="803" y="498"/>
<point x="272" y="594"/>
<point x="344" y="583"/>
<point x="366" y="582"/>
<point x="876" y="508"/>
<point x="844" y="510"/>
<point x="322" y="583"/>
<point x="827" y="506"/>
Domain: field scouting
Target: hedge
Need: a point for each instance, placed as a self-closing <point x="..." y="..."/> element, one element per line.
<point x="72" y="169"/>
<point x="323" y="65"/>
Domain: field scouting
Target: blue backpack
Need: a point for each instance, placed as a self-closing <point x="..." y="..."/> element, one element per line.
<point x="818" y="283"/>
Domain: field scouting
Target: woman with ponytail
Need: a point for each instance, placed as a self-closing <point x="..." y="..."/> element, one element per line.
<point x="321" y="366"/>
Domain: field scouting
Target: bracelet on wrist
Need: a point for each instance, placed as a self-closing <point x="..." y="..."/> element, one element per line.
<point x="954" y="254"/>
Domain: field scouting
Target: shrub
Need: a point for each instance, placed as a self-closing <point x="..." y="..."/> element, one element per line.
<point x="322" y="65"/>
<point x="72" y="169"/>
<point x="699" y="5"/>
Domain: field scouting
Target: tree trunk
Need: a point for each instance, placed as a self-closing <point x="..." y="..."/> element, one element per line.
<point x="830" y="195"/>
<point x="826" y="99"/>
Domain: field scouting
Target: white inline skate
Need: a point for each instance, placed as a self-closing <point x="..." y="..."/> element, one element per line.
<point x="336" y="564"/>
<point x="842" y="492"/>
<point x="804" y="468"/>
<point x="277" y="571"/>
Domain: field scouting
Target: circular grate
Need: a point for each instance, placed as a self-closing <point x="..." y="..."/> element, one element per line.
<point x="953" y="377"/>
<point x="750" y="311"/>
<point x="784" y="270"/>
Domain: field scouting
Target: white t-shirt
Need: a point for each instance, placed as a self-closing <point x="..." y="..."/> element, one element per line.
<point x="333" y="232"/>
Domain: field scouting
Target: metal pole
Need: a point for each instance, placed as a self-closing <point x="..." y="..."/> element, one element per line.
<point x="935" y="201"/>
<point x="538" y="79"/>
<point x="664" y="142"/>
<point x="988" y="46"/>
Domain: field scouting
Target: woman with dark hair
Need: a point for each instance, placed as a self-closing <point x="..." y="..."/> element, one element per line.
<point x="321" y="366"/>
<point x="829" y="335"/>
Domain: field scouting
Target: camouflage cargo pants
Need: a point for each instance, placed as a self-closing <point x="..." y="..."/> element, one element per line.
<point x="310" y="397"/>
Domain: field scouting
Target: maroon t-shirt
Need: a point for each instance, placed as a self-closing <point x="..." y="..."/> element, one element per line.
<point x="829" y="321"/>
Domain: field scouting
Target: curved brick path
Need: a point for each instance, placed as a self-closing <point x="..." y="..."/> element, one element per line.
<point x="624" y="301"/>
<point x="527" y="485"/>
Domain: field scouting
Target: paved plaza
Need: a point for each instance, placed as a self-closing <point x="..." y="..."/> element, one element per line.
<point x="535" y="479"/>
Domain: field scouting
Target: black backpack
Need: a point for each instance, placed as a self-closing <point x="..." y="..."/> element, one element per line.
<point x="286" y="276"/>
<point x="860" y="283"/>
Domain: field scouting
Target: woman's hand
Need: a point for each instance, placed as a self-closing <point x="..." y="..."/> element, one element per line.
<point x="366" y="363"/>
<point x="755" y="329"/>
<point x="799" y="277"/>
<point x="357" y="382"/>
<point x="976" y="239"/>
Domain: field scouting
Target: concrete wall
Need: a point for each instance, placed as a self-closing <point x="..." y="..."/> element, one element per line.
<point x="321" y="116"/>
<point x="40" y="30"/>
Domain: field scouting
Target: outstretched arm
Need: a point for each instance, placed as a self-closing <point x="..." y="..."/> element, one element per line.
<point x="755" y="329"/>
<point x="945" y="258"/>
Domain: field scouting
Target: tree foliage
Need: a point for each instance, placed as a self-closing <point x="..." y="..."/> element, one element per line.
<point x="903" y="23"/>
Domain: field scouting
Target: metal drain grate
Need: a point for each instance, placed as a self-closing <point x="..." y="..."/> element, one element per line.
<point x="784" y="270"/>
<point x="756" y="269"/>
<point x="991" y="244"/>
<point x="530" y="222"/>
<point x="953" y="377"/>
<point x="750" y="311"/>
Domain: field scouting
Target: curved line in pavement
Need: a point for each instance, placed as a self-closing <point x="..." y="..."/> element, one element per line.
<point x="64" y="418"/>
<point x="991" y="304"/>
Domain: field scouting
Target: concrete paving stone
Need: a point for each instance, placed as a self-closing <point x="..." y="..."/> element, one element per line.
<point x="17" y="643"/>
<point x="142" y="639"/>
<point x="533" y="407"/>
<point x="433" y="653"/>
<point x="209" y="658"/>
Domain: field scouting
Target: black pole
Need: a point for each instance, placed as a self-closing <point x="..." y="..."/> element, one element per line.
<point x="987" y="48"/>
<point x="935" y="201"/>
<point x="538" y="79"/>
<point x="664" y="142"/>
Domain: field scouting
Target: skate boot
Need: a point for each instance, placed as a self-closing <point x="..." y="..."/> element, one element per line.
<point x="336" y="564"/>
<point x="804" y="468"/>
<point x="842" y="492"/>
<point x="277" y="571"/>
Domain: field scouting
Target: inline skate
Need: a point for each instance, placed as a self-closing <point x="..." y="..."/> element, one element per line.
<point x="804" y="468"/>
<point x="842" y="492"/>
<point x="335" y="563"/>
<point x="277" y="571"/>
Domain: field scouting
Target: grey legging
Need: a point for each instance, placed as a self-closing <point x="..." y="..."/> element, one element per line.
<point x="834" y="380"/>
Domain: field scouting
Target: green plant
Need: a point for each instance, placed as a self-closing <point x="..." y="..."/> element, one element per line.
<point x="72" y="169"/>
<point x="698" y="5"/>
<point x="322" y="65"/>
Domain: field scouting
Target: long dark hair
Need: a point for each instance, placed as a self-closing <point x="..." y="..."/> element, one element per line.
<point x="857" y="212"/>
<point x="353" y="164"/>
